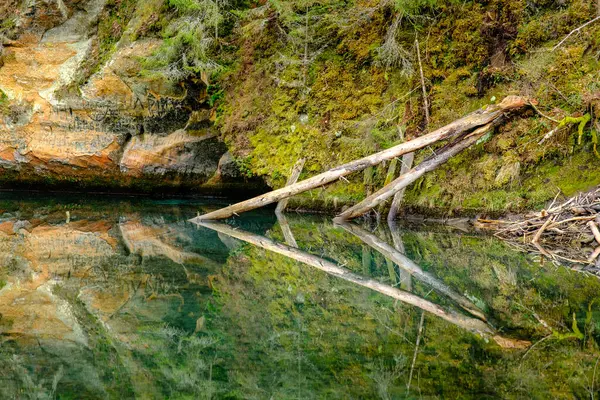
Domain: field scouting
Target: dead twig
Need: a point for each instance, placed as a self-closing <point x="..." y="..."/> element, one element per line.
<point x="578" y="29"/>
<point x="536" y="238"/>
<point x="425" y="101"/>
<point x="571" y="220"/>
<point x="542" y="114"/>
<point x="535" y="344"/>
<point x="550" y="134"/>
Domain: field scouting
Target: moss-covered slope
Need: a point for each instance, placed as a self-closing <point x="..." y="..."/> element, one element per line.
<point x="340" y="97"/>
<point x="335" y="80"/>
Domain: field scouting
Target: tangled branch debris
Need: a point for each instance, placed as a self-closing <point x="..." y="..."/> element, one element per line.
<point x="566" y="233"/>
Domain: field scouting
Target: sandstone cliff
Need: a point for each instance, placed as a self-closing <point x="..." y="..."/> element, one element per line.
<point x="110" y="129"/>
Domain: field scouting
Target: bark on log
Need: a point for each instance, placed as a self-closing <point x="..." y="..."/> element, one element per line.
<point x="331" y="268"/>
<point x="476" y="119"/>
<point x="407" y="163"/>
<point x="408" y="265"/>
<point x="293" y="178"/>
<point x="404" y="180"/>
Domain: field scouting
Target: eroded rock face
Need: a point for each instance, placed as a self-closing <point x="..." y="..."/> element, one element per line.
<point x="179" y="153"/>
<point x="120" y="130"/>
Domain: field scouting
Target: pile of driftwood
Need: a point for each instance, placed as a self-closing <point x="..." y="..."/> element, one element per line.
<point x="566" y="233"/>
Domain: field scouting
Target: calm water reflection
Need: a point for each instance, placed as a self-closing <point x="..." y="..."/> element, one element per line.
<point x="123" y="298"/>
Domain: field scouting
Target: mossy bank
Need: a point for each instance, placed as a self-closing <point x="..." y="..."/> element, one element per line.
<point x="333" y="81"/>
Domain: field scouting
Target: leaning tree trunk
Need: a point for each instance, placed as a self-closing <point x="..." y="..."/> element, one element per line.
<point x="407" y="163"/>
<point x="474" y="120"/>
<point x="403" y="181"/>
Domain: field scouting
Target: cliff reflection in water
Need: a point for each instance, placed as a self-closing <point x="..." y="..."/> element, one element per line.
<point x="126" y="299"/>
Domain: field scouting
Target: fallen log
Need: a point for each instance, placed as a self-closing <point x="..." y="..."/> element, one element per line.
<point x="472" y="121"/>
<point x="332" y="268"/>
<point x="404" y="180"/>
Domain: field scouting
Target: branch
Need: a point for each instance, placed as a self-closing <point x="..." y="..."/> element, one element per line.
<point x="425" y="102"/>
<point x="574" y="31"/>
<point x="542" y="114"/>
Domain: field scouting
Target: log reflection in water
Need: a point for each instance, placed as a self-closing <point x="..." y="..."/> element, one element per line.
<point x="331" y="268"/>
<point x="285" y="228"/>
<point x="404" y="276"/>
<point x="408" y="265"/>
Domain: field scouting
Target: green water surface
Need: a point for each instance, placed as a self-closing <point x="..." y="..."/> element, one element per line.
<point x="124" y="298"/>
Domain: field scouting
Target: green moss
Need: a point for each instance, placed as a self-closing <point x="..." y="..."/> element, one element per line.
<point x="116" y="16"/>
<point x="4" y="103"/>
<point x="306" y="80"/>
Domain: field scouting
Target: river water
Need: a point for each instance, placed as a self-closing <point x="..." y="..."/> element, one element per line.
<point x="124" y="298"/>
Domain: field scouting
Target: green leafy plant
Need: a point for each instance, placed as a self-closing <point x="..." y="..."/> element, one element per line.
<point x="189" y="39"/>
<point x="214" y="95"/>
